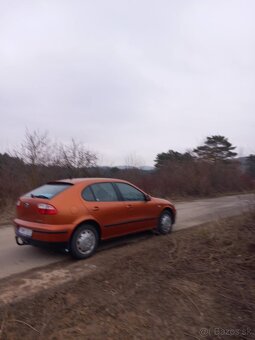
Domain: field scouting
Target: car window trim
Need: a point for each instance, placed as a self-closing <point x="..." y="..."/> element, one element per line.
<point x="117" y="190"/>
<point x="93" y="193"/>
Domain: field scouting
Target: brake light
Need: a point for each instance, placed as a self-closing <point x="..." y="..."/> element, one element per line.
<point x="18" y="203"/>
<point x="46" y="209"/>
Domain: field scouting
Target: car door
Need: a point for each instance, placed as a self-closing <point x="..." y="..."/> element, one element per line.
<point x="141" y="213"/>
<point x="104" y="204"/>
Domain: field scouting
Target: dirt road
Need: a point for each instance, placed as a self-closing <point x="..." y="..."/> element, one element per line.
<point x="15" y="259"/>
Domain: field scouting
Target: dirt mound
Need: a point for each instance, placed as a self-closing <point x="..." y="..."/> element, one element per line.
<point x="193" y="284"/>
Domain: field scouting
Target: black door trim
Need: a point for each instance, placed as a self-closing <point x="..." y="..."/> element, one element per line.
<point x="131" y="221"/>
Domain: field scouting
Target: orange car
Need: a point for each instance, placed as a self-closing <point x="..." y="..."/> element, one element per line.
<point x="75" y="214"/>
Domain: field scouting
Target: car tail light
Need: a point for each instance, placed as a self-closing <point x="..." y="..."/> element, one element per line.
<point x="46" y="209"/>
<point x="18" y="203"/>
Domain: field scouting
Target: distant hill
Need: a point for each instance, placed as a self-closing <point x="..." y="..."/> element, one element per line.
<point x="143" y="167"/>
<point x="243" y="162"/>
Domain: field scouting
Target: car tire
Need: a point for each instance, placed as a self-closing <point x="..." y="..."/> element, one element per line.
<point x="84" y="241"/>
<point x="165" y="223"/>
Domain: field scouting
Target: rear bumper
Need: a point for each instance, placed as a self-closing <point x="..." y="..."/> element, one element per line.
<point x="42" y="244"/>
<point x="43" y="232"/>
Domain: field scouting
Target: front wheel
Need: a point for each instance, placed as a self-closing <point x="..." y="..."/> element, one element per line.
<point x="84" y="241"/>
<point x="165" y="223"/>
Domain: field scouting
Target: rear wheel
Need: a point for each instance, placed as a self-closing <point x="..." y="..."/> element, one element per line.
<point x="165" y="223"/>
<point x="84" y="241"/>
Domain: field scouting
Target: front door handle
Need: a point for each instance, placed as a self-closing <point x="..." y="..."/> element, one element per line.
<point x="95" y="208"/>
<point x="129" y="206"/>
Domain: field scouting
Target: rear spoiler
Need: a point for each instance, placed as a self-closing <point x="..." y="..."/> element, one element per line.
<point x="59" y="182"/>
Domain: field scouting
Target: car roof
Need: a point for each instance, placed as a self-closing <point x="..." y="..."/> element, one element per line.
<point x="89" y="180"/>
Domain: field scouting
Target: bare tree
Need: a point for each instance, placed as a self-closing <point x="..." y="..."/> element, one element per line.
<point x="75" y="157"/>
<point x="35" y="150"/>
<point x="132" y="160"/>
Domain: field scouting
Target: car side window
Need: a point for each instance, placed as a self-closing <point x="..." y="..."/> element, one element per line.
<point x="104" y="192"/>
<point x="88" y="195"/>
<point x="130" y="193"/>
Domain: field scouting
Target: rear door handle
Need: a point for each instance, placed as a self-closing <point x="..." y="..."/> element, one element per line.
<point x="129" y="206"/>
<point x="95" y="208"/>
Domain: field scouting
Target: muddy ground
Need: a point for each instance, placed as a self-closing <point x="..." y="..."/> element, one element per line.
<point x="7" y="215"/>
<point x="193" y="284"/>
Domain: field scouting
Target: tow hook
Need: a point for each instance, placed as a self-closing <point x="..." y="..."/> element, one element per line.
<point x="19" y="241"/>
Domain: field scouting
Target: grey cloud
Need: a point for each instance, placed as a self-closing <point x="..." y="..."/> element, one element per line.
<point x="128" y="76"/>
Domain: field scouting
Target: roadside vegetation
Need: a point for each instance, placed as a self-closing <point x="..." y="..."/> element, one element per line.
<point x="193" y="284"/>
<point x="210" y="169"/>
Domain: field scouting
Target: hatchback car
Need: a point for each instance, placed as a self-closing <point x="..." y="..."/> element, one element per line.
<point x="75" y="214"/>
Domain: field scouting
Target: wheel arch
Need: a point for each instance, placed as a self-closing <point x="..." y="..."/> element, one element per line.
<point x="171" y="211"/>
<point x="91" y="222"/>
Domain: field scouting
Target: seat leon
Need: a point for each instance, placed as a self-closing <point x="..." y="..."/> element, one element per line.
<point x="76" y="214"/>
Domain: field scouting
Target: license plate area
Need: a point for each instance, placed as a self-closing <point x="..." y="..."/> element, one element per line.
<point x="25" y="231"/>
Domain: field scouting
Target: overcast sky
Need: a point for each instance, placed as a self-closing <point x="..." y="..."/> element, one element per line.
<point x="128" y="76"/>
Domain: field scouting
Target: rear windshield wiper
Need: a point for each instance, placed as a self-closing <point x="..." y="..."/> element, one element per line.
<point x="39" y="196"/>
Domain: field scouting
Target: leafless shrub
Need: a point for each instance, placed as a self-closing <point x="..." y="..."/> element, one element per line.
<point x="189" y="178"/>
<point x="38" y="160"/>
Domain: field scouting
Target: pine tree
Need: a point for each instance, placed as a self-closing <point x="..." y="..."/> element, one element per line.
<point x="216" y="148"/>
<point x="164" y="158"/>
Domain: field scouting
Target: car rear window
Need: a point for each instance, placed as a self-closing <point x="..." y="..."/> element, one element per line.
<point x="49" y="190"/>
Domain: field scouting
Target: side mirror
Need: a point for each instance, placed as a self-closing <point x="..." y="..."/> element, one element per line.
<point x="147" y="197"/>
